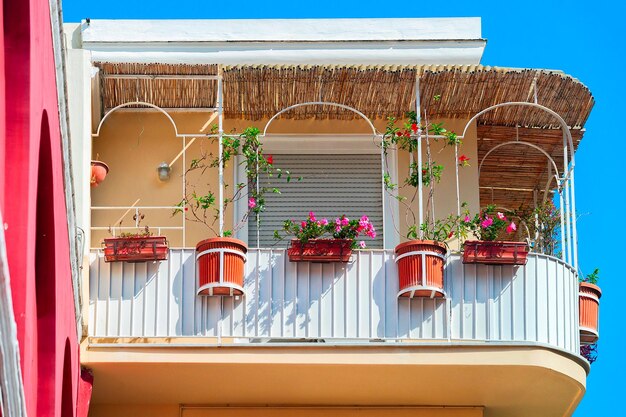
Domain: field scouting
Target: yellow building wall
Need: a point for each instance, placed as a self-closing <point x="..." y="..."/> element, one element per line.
<point x="197" y="411"/>
<point x="133" y="144"/>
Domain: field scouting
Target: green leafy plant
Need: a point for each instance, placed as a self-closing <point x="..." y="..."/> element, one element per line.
<point x="203" y="207"/>
<point x="544" y="227"/>
<point x="591" y="278"/>
<point x="405" y="136"/>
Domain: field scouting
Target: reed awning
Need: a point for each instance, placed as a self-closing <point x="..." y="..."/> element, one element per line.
<point x="509" y="176"/>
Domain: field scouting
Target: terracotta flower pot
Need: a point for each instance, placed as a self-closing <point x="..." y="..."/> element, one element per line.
<point x="495" y="253"/>
<point x="220" y="266"/>
<point x="420" y="268"/>
<point x="320" y="250"/>
<point x="135" y="249"/>
<point x="99" y="171"/>
<point x="588" y="312"/>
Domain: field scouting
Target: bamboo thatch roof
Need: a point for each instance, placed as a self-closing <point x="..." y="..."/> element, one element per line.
<point x="258" y="92"/>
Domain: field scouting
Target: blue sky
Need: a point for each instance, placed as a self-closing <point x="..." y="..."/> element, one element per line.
<point x="583" y="38"/>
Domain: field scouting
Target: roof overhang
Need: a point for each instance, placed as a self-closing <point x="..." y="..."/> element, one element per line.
<point x="508" y="381"/>
<point x="286" y="41"/>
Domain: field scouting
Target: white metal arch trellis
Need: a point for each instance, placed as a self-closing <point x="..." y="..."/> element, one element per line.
<point x="567" y="202"/>
<point x="532" y="145"/>
<point x="375" y="134"/>
<point x="177" y="134"/>
<point x="145" y="104"/>
<point x="565" y="182"/>
<point x="322" y="103"/>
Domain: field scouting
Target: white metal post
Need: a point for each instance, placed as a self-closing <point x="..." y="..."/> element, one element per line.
<point x="456" y="171"/>
<point x="418" y="117"/>
<point x="220" y="150"/>
<point x="574" y="231"/>
<point x="256" y="215"/>
<point x="566" y="182"/>
<point x="562" y="212"/>
<point x="184" y="190"/>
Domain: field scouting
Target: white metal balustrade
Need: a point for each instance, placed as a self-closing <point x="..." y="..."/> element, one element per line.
<point x="354" y="302"/>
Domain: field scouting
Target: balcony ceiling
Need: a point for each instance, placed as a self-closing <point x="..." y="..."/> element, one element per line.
<point x="257" y="92"/>
<point x="506" y="381"/>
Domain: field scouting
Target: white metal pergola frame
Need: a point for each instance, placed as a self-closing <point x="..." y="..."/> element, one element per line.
<point x="564" y="182"/>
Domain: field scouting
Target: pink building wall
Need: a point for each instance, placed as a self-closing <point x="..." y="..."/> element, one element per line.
<point x="32" y="201"/>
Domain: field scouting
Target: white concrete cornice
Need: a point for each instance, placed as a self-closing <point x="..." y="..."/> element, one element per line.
<point x="280" y="30"/>
<point x="286" y="41"/>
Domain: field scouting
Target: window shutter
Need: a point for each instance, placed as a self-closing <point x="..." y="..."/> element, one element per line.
<point x="331" y="185"/>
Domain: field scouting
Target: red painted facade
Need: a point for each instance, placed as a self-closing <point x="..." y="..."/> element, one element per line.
<point x="32" y="201"/>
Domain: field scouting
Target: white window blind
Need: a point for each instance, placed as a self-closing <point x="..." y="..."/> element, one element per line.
<point x="331" y="185"/>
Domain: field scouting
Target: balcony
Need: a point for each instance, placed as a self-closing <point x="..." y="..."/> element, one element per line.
<point x="355" y="303"/>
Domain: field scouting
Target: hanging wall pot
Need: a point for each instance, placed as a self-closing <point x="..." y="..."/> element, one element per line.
<point x="99" y="171"/>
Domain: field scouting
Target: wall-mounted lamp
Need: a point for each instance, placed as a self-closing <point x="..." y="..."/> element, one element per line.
<point x="164" y="170"/>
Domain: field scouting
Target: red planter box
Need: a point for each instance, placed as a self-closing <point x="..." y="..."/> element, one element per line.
<point x="420" y="268"/>
<point x="495" y="253"/>
<point x="320" y="250"/>
<point x="588" y="311"/>
<point x="135" y="249"/>
<point x="215" y="277"/>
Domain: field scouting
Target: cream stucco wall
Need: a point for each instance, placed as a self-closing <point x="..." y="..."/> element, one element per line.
<point x="134" y="143"/>
<point x="444" y="196"/>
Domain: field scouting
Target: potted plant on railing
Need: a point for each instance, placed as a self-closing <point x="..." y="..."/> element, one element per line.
<point x="141" y="246"/>
<point x="310" y="245"/>
<point x="220" y="259"/>
<point x="490" y="226"/>
<point x="421" y="260"/>
<point x="588" y="307"/>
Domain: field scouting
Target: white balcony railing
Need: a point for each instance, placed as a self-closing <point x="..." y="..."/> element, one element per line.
<point x="355" y="302"/>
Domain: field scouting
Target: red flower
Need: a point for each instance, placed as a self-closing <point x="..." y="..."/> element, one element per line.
<point x="186" y="208"/>
<point x="463" y="161"/>
<point x="270" y="159"/>
<point x="450" y="235"/>
<point x="414" y="127"/>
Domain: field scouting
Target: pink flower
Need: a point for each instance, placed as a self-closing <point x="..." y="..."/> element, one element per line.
<point x="338" y="221"/>
<point x="362" y="244"/>
<point x="324" y="222"/>
<point x="338" y="229"/>
<point x="501" y="216"/>
<point x="303" y="224"/>
<point x="467" y="219"/>
<point x="311" y="216"/>
<point x="511" y="228"/>
<point x="319" y="223"/>
<point x="252" y="203"/>
<point x="486" y="223"/>
<point x="371" y="234"/>
<point x="365" y="219"/>
<point x="345" y="221"/>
